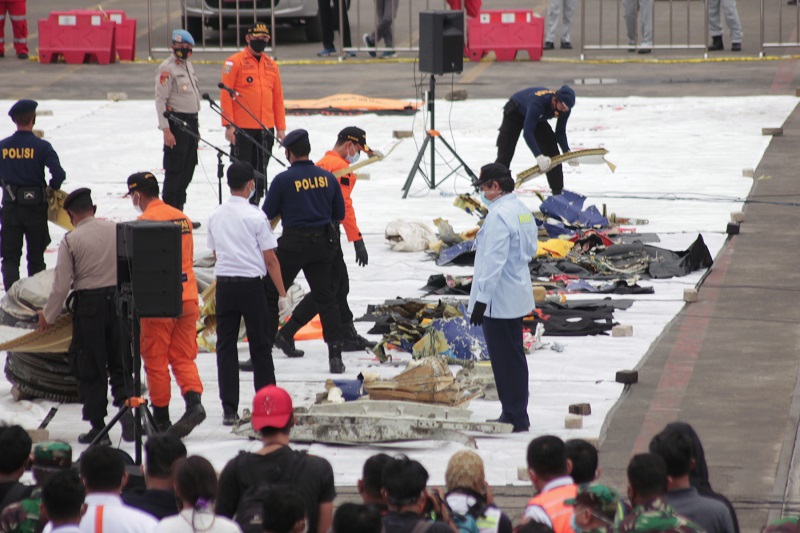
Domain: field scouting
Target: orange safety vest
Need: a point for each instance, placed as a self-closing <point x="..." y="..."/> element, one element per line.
<point x="552" y="502"/>
<point x="259" y="84"/>
<point x="159" y="211"/>
<point x="333" y="162"/>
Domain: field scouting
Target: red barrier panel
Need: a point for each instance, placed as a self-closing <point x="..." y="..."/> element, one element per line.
<point x="78" y="36"/>
<point x="126" y="34"/>
<point x="505" y="32"/>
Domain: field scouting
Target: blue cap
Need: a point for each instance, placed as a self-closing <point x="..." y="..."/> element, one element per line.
<point x="182" y="36"/>
<point x="566" y="96"/>
<point x="295" y="137"/>
<point x="23" y="106"/>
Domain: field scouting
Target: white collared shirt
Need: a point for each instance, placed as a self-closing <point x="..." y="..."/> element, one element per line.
<point x="112" y="516"/>
<point x="239" y="233"/>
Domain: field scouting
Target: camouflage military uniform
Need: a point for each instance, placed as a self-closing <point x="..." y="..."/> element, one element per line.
<point x="654" y="516"/>
<point x="24" y="516"/>
<point x="784" y="525"/>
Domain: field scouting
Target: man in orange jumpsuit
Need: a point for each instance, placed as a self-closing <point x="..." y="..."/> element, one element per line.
<point x="15" y="9"/>
<point x="253" y="81"/>
<point x="349" y="145"/>
<point x="171" y="342"/>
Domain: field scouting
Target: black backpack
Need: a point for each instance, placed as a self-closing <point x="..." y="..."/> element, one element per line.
<point x="249" y="512"/>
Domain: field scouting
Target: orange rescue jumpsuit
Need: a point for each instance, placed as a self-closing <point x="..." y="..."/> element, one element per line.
<point x="333" y="162"/>
<point x="259" y="84"/>
<point x="172" y="342"/>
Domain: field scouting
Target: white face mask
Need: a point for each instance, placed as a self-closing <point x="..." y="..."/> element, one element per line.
<point x="252" y="192"/>
<point x="136" y="204"/>
<point x="353" y="158"/>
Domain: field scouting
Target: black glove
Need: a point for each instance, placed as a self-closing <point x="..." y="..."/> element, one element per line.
<point x="476" y="319"/>
<point x="361" y="252"/>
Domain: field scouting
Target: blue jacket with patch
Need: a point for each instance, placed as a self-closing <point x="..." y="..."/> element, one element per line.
<point x="536" y="105"/>
<point x="23" y="158"/>
<point x="305" y="196"/>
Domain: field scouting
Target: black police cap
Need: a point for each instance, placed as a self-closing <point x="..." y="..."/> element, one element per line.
<point x="492" y="171"/>
<point x="295" y="137"/>
<point x="23" y="106"/>
<point x="75" y="195"/>
<point x="143" y="182"/>
<point x="357" y="135"/>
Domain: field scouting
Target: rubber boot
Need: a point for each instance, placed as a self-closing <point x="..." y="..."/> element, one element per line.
<point x="193" y="417"/>
<point x="716" y="44"/>
<point x="335" y="362"/>
<point x="97" y="427"/>
<point x="284" y="339"/>
<point x="161" y="416"/>
<point x="128" y="424"/>
<point x="353" y="342"/>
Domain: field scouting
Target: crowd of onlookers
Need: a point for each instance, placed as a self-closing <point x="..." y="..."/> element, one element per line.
<point x="278" y="489"/>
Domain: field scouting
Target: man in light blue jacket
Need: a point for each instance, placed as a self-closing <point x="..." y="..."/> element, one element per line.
<point x="501" y="288"/>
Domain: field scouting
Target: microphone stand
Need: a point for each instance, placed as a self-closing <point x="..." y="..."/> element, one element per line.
<point x="220" y="152"/>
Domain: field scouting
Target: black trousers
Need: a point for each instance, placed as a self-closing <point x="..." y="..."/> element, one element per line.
<point x="18" y="222"/>
<point x="235" y="300"/>
<point x="179" y="162"/>
<point x="244" y="150"/>
<point x="329" y="22"/>
<point x="510" y="368"/>
<point x="314" y="255"/>
<point x="507" y="139"/>
<point x="306" y="309"/>
<point x="96" y="353"/>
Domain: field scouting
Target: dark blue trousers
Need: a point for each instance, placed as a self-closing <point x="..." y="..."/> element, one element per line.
<point x="510" y="368"/>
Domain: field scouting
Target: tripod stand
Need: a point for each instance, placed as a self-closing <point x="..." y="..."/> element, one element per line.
<point x="430" y="138"/>
<point x="143" y="418"/>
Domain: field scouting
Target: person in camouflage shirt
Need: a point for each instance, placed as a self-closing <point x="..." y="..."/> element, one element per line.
<point x="597" y="507"/>
<point x="25" y="516"/>
<point x="787" y="524"/>
<point x="647" y="484"/>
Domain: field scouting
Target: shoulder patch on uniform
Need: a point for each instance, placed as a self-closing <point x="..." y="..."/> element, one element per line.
<point x="227" y="68"/>
<point x="344" y="181"/>
<point x="164" y="77"/>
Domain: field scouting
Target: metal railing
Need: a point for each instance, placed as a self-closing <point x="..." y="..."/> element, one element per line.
<point x="779" y="25"/>
<point x="218" y="17"/>
<point x="674" y="30"/>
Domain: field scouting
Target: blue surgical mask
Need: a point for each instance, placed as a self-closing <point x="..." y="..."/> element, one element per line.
<point x="353" y="158"/>
<point x="485" y="200"/>
<point x="574" y="523"/>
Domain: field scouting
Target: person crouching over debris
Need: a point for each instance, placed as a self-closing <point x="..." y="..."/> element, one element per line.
<point x="501" y="291"/>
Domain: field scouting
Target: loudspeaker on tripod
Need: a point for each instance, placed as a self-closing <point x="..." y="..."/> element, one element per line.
<point x="149" y="267"/>
<point x="441" y="42"/>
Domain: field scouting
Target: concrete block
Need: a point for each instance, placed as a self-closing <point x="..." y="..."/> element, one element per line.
<point x="573" y="422"/>
<point x="748" y="172"/>
<point x="38" y="435"/>
<point x="44" y="113"/>
<point x="39" y="133"/>
<point x="689" y="295"/>
<point x="775" y="132"/>
<point x="522" y="473"/>
<point x="732" y="229"/>
<point x="622" y="330"/>
<point x="737" y="216"/>
<point x="580" y="409"/>
<point x="402" y="134"/>
<point x="456" y="95"/>
<point x="362" y="176"/>
<point x="627" y="377"/>
<point x="117" y="96"/>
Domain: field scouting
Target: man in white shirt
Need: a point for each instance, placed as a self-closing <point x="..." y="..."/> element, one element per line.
<point x="241" y="238"/>
<point x="103" y="474"/>
<point x="62" y="501"/>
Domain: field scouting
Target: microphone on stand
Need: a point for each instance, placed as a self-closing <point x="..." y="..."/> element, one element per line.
<point x="224" y="87"/>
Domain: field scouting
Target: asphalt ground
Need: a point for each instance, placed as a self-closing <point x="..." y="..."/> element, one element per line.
<point x="728" y="363"/>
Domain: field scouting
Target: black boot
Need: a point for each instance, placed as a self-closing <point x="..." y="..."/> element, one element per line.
<point x="353" y="342"/>
<point x="161" y="416"/>
<point x="194" y="415"/>
<point x="716" y="44"/>
<point x="128" y="424"/>
<point x="335" y="362"/>
<point x="87" y="438"/>
<point x="286" y="345"/>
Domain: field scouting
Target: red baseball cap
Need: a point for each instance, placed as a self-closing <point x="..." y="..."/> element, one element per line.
<point x="272" y="407"/>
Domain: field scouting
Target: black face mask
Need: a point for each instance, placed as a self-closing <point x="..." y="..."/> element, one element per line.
<point x="182" y="53"/>
<point x="258" y="45"/>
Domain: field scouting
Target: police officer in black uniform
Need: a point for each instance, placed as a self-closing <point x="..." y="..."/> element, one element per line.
<point x="23" y="157"/>
<point x="310" y="203"/>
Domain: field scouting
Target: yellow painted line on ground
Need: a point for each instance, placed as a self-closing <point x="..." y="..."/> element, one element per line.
<point x="475" y="72"/>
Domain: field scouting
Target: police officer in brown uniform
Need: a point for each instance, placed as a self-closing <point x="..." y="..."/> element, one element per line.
<point x="87" y="263"/>
<point x="177" y="91"/>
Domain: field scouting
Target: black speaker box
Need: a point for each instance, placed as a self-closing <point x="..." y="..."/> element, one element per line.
<point x="441" y="42"/>
<point x="149" y="264"/>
